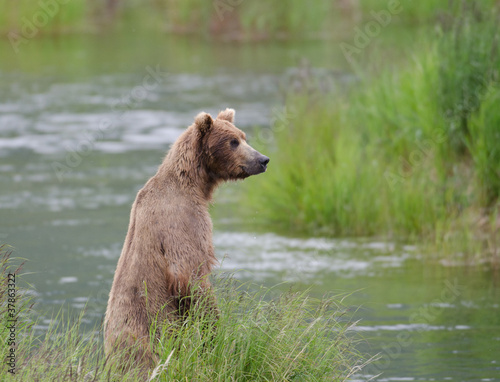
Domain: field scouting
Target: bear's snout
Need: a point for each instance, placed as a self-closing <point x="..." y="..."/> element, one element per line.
<point x="263" y="160"/>
<point x="256" y="164"/>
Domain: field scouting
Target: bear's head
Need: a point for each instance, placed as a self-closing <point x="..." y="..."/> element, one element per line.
<point x="224" y="148"/>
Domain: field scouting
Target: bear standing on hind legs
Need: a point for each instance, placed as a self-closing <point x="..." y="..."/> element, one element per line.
<point x="169" y="246"/>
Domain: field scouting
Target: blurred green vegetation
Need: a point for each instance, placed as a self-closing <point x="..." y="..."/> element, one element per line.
<point x="411" y="153"/>
<point x="24" y="16"/>
<point x="229" y="19"/>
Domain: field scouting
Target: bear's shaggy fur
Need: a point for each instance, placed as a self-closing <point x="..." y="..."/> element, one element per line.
<point x="168" y="246"/>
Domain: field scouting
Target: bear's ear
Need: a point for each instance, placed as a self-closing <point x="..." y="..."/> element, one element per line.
<point x="203" y="122"/>
<point x="227" y="115"/>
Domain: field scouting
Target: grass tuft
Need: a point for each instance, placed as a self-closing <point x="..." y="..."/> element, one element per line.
<point x="260" y="338"/>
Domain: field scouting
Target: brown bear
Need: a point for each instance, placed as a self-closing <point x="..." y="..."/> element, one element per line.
<point x="169" y="245"/>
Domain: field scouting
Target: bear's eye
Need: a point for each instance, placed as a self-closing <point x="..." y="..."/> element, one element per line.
<point x="234" y="143"/>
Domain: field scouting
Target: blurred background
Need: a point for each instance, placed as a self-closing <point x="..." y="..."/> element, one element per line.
<point x="381" y="119"/>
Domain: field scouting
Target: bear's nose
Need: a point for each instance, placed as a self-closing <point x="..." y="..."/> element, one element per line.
<point x="264" y="160"/>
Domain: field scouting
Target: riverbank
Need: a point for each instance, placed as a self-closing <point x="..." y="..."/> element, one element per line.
<point x="409" y="153"/>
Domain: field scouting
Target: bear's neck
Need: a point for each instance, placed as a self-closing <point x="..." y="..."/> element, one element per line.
<point x="182" y="167"/>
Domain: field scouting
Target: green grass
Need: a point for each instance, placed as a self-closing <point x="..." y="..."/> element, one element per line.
<point x="482" y="142"/>
<point x="411" y="153"/>
<point x="259" y="338"/>
<point x="261" y="335"/>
